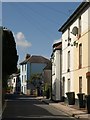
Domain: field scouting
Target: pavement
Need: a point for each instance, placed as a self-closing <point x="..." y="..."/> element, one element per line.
<point x="70" y="110"/>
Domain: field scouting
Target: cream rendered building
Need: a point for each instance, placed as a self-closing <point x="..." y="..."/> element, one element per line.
<point x="75" y="51"/>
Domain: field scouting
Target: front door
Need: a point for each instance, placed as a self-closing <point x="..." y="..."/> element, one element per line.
<point x="88" y="85"/>
<point x="63" y="90"/>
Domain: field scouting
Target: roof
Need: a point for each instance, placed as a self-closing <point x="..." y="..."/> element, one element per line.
<point x="57" y="45"/>
<point x="48" y="67"/>
<point x="74" y="16"/>
<point x="25" y="61"/>
<point x="35" y="59"/>
<point x="14" y="75"/>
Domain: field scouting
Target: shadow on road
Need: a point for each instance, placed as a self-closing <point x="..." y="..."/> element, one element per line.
<point x="16" y="96"/>
<point x="40" y="119"/>
<point x="21" y="107"/>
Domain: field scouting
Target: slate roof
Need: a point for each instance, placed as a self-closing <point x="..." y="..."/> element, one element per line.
<point x="36" y="59"/>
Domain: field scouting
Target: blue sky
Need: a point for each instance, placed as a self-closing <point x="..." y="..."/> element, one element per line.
<point x="35" y="24"/>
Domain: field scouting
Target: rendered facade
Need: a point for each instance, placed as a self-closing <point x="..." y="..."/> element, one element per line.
<point x="56" y="59"/>
<point x="75" y="51"/>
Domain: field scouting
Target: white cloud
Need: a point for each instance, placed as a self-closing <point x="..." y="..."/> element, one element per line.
<point x="21" y="40"/>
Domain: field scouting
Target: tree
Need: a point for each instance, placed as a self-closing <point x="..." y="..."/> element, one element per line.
<point x="9" y="57"/>
<point x="9" y="54"/>
<point x="36" y="79"/>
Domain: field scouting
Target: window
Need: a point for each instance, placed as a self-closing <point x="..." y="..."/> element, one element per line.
<point x="22" y="67"/>
<point x="14" y="79"/>
<point x="69" y="39"/>
<point x="79" y="30"/>
<point x="25" y="67"/>
<point x="68" y="61"/>
<point x="22" y="78"/>
<point x="25" y="78"/>
<point x="22" y="88"/>
<point x="68" y="32"/>
<point x="80" y="55"/>
<point x="68" y="85"/>
<point x="63" y="93"/>
<point x="80" y="84"/>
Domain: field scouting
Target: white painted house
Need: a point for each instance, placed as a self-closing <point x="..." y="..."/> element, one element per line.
<point x="15" y="83"/>
<point x="75" y="51"/>
<point x="31" y="65"/>
<point x="56" y="59"/>
<point x="67" y="61"/>
<point x="23" y="77"/>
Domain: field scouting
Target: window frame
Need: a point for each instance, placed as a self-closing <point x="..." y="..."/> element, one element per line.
<point x="69" y="39"/>
<point x="69" y="84"/>
<point x="68" y="61"/>
<point x="80" y="55"/>
<point x="80" y="84"/>
<point x="80" y="27"/>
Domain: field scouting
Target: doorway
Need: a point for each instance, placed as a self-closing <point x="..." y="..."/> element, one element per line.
<point x="88" y="85"/>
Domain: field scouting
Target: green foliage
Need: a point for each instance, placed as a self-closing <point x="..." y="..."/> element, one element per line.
<point x="9" y="53"/>
<point x="47" y="87"/>
<point x="9" y="87"/>
<point x="35" y="79"/>
<point x="9" y="57"/>
<point x="36" y="76"/>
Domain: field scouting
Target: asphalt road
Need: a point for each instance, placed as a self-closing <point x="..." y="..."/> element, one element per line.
<point x="28" y="108"/>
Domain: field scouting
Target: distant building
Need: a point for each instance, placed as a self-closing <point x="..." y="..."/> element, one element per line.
<point x="31" y="65"/>
<point x="47" y="73"/>
<point x="14" y="84"/>
<point x="47" y="78"/>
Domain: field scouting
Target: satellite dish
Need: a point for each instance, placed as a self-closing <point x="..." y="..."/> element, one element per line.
<point x="75" y="31"/>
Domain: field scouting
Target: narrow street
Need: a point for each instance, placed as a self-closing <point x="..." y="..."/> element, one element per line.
<point x="27" y="108"/>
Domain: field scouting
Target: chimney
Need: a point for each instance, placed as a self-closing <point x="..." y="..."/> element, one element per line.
<point x="28" y="56"/>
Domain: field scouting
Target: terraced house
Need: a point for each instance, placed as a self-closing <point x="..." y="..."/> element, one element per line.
<point x="56" y="59"/>
<point x="75" y="51"/>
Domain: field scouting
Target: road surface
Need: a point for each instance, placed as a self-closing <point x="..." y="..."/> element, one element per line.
<point x="28" y="108"/>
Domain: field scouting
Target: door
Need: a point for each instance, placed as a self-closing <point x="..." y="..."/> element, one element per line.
<point x="88" y="85"/>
